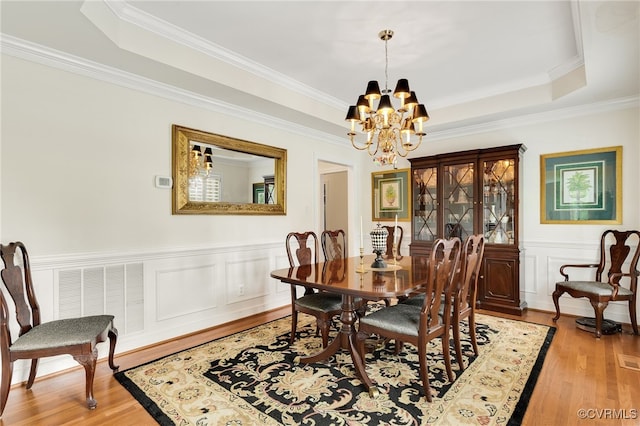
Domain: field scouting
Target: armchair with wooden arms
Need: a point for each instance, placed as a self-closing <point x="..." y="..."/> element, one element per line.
<point x="615" y="248"/>
<point x="73" y="336"/>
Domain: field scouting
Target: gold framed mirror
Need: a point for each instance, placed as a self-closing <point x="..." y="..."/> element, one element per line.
<point x="216" y="174"/>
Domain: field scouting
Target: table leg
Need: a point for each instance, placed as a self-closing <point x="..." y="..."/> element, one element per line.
<point x="346" y="339"/>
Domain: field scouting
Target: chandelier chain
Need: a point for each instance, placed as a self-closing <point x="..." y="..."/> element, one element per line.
<point x="386" y="66"/>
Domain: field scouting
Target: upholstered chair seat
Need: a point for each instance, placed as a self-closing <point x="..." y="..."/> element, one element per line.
<point x="62" y="334"/>
<point x="597" y="288"/>
<point x="323" y="302"/>
<point x="401" y="318"/>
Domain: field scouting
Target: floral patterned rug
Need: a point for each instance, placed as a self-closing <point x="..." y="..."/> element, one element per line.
<point x="249" y="378"/>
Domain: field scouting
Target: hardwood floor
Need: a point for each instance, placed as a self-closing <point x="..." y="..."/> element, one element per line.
<point x="579" y="372"/>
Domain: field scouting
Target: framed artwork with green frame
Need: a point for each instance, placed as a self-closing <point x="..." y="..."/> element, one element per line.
<point x="258" y="193"/>
<point x="581" y="187"/>
<point x="390" y="195"/>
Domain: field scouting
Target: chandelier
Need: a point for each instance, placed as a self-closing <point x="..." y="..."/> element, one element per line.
<point x="388" y="131"/>
<point x="199" y="165"/>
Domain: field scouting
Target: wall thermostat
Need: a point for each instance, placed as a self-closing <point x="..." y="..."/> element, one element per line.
<point x="164" y="182"/>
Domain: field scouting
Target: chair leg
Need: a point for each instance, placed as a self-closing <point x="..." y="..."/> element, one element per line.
<point x="113" y="338"/>
<point x="5" y="386"/>
<point x="324" y="331"/>
<point x="632" y="314"/>
<point x="599" y="308"/>
<point x="88" y="361"/>
<point x="294" y="325"/>
<point x="424" y="369"/>
<point x="32" y="372"/>
<point x="556" y="301"/>
<point x="456" y="342"/>
<point x="447" y="354"/>
<point x="472" y="331"/>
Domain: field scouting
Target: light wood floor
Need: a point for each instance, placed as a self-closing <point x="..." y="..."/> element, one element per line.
<point x="579" y="372"/>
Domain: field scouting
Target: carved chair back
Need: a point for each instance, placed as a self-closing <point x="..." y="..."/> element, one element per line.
<point x="334" y="244"/>
<point x="390" y="234"/>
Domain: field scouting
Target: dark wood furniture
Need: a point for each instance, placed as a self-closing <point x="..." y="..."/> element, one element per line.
<point x="615" y="248"/>
<point x="419" y="325"/>
<point x="352" y="285"/>
<point x="77" y="337"/>
<point x="462" y="295"/>
<point x="334" y="244"/>
<point x="474" y="192"/>
<point x="390" y="235"/>
<point x="269" y="189"/>
<point x="322" y="305"/>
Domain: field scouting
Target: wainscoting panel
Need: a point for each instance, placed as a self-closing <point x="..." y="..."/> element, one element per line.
<point x="156" y="296"/>
<point x="186" y="290"/>
<point x="245" y="279"/>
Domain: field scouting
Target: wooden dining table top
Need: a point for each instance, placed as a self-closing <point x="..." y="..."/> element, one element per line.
<point x="407" y="274"/>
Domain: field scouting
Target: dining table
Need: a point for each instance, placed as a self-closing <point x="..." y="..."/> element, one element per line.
<point x="353" y="278"/>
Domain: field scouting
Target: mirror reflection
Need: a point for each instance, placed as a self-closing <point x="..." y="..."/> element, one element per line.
<point x="215" y="174"/>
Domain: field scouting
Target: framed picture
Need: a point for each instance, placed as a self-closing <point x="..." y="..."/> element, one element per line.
<point x="580" y="187"/>
<point x="390" y="195"/>
<point x="258" y="193"/>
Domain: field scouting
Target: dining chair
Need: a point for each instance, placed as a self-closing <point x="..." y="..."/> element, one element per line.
<point x="334" y="247"/>
<point x="462" y="296"/>
<point x="418" y="325"/>
<point x="322" y="305"/>
<point x="334" y="244"/>
<point x="390" y="235"/>
<point x="615" y="248"/>
<point x="77" y="337"/>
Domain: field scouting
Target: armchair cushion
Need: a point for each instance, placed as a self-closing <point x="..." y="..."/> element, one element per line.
<point x="594" y="287"/>
<point x="65" y="332"/>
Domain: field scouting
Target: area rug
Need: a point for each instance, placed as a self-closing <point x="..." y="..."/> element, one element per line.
<point x="250" y="378"/>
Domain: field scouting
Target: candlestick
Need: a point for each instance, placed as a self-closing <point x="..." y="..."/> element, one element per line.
<point x="394" y="250"/>
<point x="395" y="232"/>
<point x="360" y="269"/>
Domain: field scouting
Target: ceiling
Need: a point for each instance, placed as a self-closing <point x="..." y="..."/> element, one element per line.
<point x="304" y="62"/>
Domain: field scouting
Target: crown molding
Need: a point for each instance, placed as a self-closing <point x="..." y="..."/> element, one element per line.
<point x="50" y="57"/>
<point x="535" y="118"/>
<point x="56" y="59"/>
<point x="134" y="16"/>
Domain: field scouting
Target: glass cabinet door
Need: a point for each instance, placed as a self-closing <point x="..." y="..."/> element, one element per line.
<point x="458" y="200"/>
<point x="499" y="207"/>
<point x="425" y="204"/>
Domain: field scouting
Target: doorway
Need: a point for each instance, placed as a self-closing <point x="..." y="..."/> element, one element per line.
<point x="334" y="194"/>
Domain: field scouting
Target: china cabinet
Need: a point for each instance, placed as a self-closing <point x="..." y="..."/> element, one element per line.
<point x="474" y="192"/>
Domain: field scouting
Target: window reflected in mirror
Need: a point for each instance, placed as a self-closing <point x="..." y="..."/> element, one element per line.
<point x="215" y="174"/>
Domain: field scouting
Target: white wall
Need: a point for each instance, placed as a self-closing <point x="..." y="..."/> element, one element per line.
<point x="78" y="161"/>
